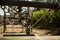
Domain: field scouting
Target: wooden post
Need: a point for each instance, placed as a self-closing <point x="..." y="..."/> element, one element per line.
<point x="4" y="20"/>
<point x="32" y="22"/>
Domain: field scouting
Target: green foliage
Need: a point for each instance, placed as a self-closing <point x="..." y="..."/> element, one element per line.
<point x="38" y="14"/>
<point x="46" y="18"/>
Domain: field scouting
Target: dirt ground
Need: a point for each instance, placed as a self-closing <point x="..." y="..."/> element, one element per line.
<point x="19" y="29"/>
<point x="31" y="38"/>
<point x="39" y="35"/>
<point x="40" y="32"/>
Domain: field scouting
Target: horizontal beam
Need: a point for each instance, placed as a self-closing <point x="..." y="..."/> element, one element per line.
<point x="28" y="4"/>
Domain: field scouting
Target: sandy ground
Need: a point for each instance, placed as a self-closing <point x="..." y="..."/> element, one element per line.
<point x="38" y="36"/>
<point x="31" y="38"/>
<point x="19" y="29"/>
<point x="40" y="32"/>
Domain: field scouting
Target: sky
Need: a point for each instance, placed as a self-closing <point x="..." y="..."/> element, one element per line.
<point x="1" y="12"/>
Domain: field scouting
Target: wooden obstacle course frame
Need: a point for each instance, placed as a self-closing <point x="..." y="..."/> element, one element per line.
<point x="26" y="4"/>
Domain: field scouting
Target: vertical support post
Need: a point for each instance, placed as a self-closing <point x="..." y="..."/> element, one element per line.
<point x="27" y="25"/>
<point x="4" y="20"/>
<point x="31" y="22"/>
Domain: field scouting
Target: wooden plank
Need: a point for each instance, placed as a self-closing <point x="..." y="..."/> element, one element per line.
<point x="14" y="28"/>
<point x="17" y="34"/>
<point x="28" y="4"/>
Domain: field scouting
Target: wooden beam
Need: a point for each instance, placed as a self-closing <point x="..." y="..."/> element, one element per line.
<point x="28" y="4"/>
<point x="4" y="20"/>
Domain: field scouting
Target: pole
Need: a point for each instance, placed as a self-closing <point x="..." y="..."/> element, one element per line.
<point x="4" y="20"/>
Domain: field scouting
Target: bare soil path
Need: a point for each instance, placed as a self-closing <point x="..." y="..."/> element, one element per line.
<point x="38" y="36"/>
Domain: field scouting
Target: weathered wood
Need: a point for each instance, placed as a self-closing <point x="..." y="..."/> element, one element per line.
<point x="17" y="34"/>
<point x="28" y="4"/>
<point x="4" y="20"/>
